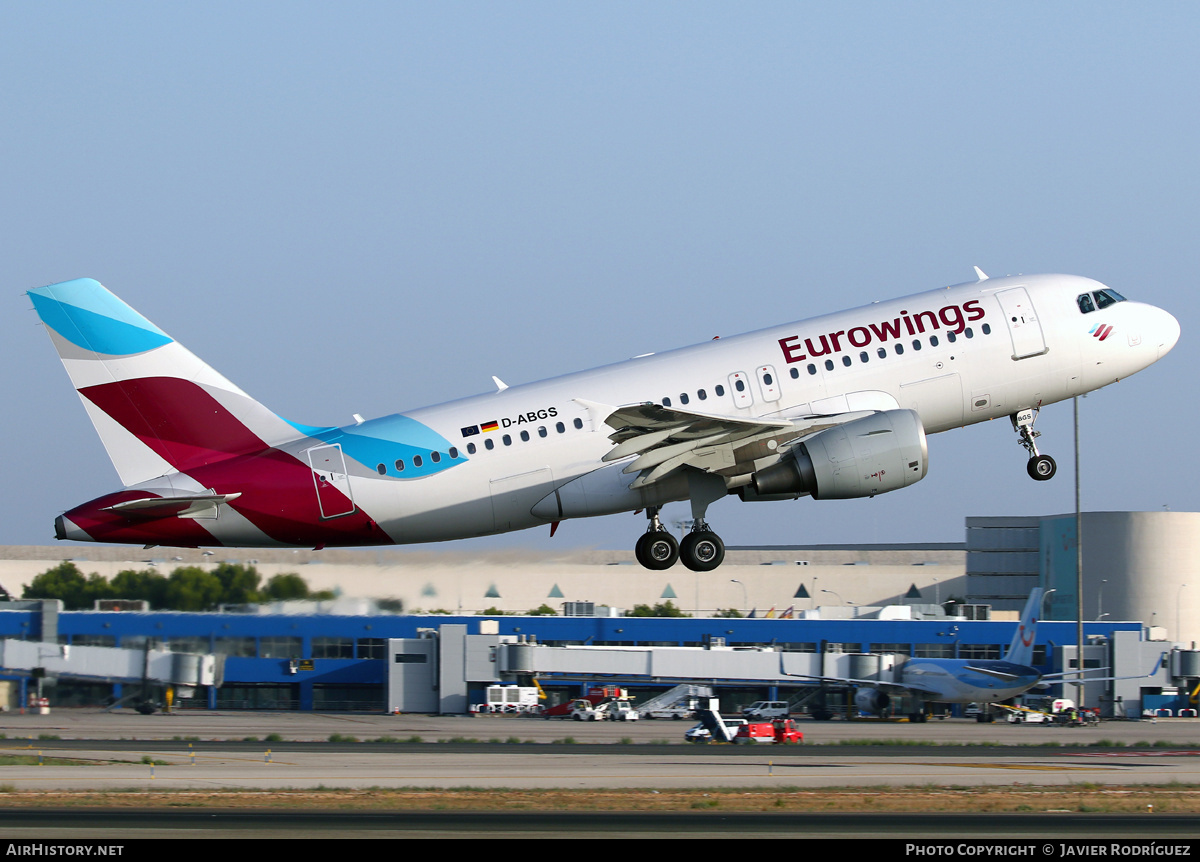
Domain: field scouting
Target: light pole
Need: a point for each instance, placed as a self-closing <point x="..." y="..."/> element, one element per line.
<point x="1078" y="569"/>
<point x="839" y="598"/>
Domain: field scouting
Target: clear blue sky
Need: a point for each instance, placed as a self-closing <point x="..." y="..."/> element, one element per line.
<point x="374" y="206"/>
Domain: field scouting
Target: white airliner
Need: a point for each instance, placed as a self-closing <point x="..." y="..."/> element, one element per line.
<point x="949" y="680"/>
<point x="982" y="681"/>
<point x="834" y="407"/>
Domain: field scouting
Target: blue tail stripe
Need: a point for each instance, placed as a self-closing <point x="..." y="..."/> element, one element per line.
<point x="90" y="317"/>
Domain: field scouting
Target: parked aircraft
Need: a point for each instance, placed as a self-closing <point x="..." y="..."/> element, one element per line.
<point x="948" y="680"/>
<point x="833" y="407"/>
<point x="982" y="681"/>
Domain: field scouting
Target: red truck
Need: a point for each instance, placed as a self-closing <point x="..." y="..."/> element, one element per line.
<point x="781" y="731"/>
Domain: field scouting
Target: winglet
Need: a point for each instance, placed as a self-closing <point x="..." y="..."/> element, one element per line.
<point x="980" y="274"/>
<point x="500" y="384"/>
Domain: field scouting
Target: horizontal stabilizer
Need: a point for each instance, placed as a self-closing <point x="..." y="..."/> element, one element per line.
<point x="193" y="506"/>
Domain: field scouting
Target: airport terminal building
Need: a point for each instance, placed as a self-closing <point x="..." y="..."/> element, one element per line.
<point x="464" y="624"/>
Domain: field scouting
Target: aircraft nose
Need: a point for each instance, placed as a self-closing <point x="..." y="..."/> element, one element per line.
<point x="1166" y="331"/>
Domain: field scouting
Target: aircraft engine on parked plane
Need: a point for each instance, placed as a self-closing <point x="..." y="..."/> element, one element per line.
<point x="871" y="700"/>
<point x="872" y="455"/>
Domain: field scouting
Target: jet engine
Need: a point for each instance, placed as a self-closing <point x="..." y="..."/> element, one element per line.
<point x="868" y="456"/>
<point x="871" y="700"/>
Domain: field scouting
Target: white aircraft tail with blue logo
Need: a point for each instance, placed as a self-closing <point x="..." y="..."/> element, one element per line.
<point x="1020" y="651"/>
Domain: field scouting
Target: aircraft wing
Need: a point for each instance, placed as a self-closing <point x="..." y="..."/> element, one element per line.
<point x="915" y="688"/>
<point x="1068" y="676"/>
<point x="665" y="439"/>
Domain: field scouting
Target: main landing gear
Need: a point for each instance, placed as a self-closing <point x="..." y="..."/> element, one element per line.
<point x="701" y="550"/>
<point x="1040" y="467"/>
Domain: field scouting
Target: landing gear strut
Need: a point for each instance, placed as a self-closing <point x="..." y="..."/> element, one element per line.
<point x="701" y="550"/>
<point x="1040" y="467"/>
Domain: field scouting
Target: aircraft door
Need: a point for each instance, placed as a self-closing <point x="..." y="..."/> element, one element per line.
<point x="1023" y="326"/>
<point x="739" y="388"/>
<point x="332" y="482"/>
<point x="768" y="383"/>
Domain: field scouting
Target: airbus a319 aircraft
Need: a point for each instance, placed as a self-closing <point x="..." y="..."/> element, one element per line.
<point x="833" y="407"/>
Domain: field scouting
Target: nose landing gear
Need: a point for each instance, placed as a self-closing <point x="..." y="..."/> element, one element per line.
<point x="1040" y="467"/>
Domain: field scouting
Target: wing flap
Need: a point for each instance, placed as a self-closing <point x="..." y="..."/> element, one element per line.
<point x="666" y="439"/>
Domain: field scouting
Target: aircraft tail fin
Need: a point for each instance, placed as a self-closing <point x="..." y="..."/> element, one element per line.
<point x="1020" y="651"/>
<point x="156" y="406"/>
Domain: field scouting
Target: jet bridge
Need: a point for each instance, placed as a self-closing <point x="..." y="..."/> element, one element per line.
<point x="110" y="664"/>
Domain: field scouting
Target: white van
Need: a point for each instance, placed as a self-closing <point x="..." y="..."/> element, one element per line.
<point x="767" y="709"/>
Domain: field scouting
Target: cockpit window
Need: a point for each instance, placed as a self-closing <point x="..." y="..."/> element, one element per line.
<point x="1103" y="299"/>
<point x="1107" y="297"/>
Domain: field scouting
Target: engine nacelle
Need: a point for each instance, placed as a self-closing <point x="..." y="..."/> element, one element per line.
<point x="873" y="455"/>
<point x="871" y="700"/>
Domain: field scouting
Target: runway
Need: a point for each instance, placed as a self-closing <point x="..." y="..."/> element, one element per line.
<point x="263" y="751"/>
<point x="209" y="766"/>
<point x="195" y="755"/>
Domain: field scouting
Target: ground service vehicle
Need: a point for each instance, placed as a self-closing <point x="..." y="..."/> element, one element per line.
<point x="767" y="709"/>
<point x="700" y="734"/>
<point x="781" y="731"/>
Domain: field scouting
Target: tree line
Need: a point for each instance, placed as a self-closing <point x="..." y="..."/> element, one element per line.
<point x="187" y="588"/>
